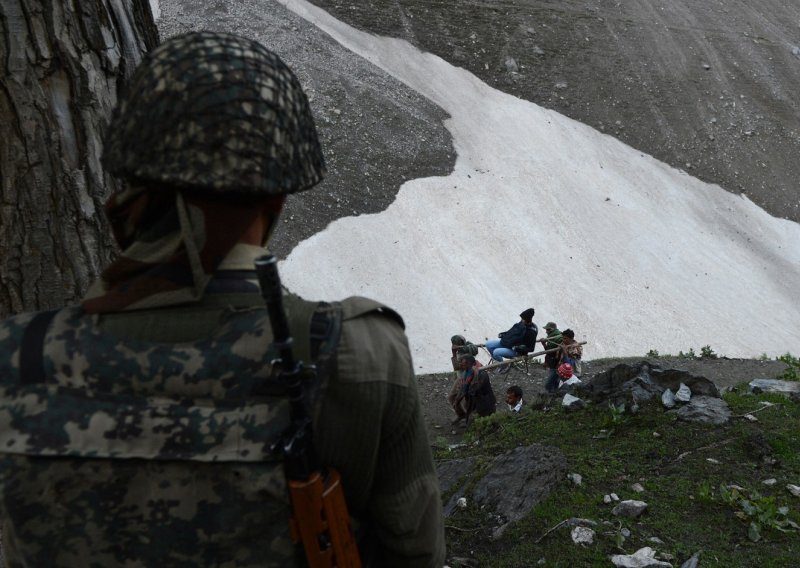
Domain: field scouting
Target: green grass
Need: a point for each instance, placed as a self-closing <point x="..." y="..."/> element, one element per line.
<point x="682" y="487"/>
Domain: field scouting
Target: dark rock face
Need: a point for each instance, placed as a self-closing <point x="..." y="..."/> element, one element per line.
<point x="705" y="409"/>
<point x="635" y="384"/>
<point x="520" y="479"/>
<point x="515" y="483"/>
<point x="450" y="473"/>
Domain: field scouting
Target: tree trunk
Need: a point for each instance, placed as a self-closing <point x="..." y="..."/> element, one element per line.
<point x="62" y="64"/>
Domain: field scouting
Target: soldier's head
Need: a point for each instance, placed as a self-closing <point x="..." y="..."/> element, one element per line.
<point x="215" y="113"/>
<point x="211" y="134"/>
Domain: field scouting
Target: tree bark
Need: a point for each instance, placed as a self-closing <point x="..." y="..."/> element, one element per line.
<point x="62" y="64"/>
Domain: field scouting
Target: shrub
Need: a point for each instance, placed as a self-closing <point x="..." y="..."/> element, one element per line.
<point x="707" y="353"/>
<point x="792" y="371"/>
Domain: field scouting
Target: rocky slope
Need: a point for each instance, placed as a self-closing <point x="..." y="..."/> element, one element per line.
<point x="708" y="87"/>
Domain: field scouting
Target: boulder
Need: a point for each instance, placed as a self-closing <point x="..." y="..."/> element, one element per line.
<point x="639" y="383"/>
<point x="519" y="480"/>
<point x="787" y="388"/>
<point x="629" y="508"/>
<point x="705" y="409"/>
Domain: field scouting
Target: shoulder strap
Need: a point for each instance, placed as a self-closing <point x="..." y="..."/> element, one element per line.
<point x="31" y="356"/>
<point x="300" y="314"/>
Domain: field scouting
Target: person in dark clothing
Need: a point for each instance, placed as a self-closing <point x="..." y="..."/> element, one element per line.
<point x="477" y="389"/>
<point x="518" y="340"/>
<point x="552" y="359"/>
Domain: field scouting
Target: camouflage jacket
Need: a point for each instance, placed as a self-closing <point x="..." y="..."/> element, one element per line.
<point x="143" y="438"/>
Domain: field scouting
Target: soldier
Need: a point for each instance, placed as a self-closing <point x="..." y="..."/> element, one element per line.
<point x="137" y="428"/>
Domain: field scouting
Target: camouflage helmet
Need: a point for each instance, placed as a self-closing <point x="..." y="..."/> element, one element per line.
<point x="216" y="112"/>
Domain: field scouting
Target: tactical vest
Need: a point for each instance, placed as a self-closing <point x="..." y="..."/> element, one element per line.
<point x="138" y="451"/>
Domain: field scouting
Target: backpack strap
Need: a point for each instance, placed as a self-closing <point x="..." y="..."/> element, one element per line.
<point x="31" y="355"/>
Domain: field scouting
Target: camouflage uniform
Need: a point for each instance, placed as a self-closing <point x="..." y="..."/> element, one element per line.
<point x="141" y="435"/>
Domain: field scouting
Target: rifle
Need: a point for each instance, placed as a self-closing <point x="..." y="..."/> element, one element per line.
<point x="319" y="520"/>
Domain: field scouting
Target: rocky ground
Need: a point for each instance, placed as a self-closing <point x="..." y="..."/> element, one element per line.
<point x="433" y="389"/>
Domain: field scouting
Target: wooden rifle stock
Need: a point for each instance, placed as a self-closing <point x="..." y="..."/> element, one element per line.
<point x="321" y="522"/>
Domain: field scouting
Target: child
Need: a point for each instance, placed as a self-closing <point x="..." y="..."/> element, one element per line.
<point x="514" y="398"/>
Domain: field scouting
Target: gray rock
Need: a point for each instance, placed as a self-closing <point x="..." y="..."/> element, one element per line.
<point x="693" y="562"/>
<point x="582" y="535"/>
<point x="684" y="393"/>
<point x="668" y="399"/>
<point x="793" y="489"/>
<point x="511" y="65"/>
<point x="575" y="478"/>
<point x="629" y="508"/>
<point x="705" y="409"/>
<point x="519" y="480"/>
<point x="642" y="558"/>
<point x="638" y="487"/>
<point x="635" y="384"/>
<point x="773" y="385"/>
<point x="572" y="403"/>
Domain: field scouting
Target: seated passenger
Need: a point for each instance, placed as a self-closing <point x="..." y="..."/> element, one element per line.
<point x="520" y="339"/>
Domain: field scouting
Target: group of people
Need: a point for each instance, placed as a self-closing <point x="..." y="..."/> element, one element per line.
<point x="472" y="390"/>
